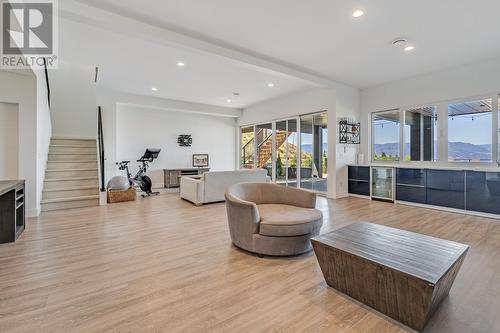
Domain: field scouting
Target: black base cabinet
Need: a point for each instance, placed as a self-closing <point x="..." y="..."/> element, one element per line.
<point x="446" y="188"/>
<point x="483" y="192"/>
<point x="410" y="185"/>
<point x="359" y="187"/>
<point x="359" y="180"/>
<point x="411" y="194"/>
<point x="12" y="210"/>
<point x="474" y="191"/>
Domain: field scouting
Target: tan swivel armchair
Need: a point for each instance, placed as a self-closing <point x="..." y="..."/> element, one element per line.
<point x="270" y="219"/>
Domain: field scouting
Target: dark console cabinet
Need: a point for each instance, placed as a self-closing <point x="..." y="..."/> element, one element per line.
<point x="467" y="190"/>
<point x="446" y="188"/>
<point x="12" y="210"/>
<point x="483" y="192"/>
<point x="411" y="185"/>
<point x="359" y="180"/>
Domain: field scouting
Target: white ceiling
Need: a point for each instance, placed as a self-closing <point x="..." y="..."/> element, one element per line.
<point x="320" y="36"/>
<point x="133" y="65"/>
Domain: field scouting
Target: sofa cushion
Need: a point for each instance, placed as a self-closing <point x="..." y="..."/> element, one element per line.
<point x="285" y="220"/>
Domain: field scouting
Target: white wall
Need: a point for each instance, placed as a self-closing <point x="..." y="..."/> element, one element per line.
<point x="342" y="101"/>
<point x="20" y="88"/>
<point x="9" y="143"/>
<point x="73" y="101"/>
<point x="458" y="83"/>
<point x="138" y="128"/>
<point x="179" y="117"/>
<point x="44" y="131"/>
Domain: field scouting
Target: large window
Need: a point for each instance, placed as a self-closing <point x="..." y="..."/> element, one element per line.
<point x="420" y="134"/>
<point x="470" y="131"/>
<point x="386" y="133"/>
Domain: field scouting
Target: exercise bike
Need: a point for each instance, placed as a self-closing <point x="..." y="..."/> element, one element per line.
<point x="141" y="180"/>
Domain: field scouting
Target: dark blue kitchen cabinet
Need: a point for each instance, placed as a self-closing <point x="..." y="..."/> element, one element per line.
<point x="359" y="187"/>
<point x="446" y="188"/>
<point x="483" y="192"/>
<point x="411" y="194"/>
<point x="359" y="172"/>
<point x="411" y="185"/>
<point x="359" y="180"/>
<point x="415" y="177"/>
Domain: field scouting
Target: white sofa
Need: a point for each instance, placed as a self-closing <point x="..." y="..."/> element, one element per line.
<point x="210" y="187"/>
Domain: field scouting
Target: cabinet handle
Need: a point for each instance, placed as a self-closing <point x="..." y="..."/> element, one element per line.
<point x="410" y="185"/>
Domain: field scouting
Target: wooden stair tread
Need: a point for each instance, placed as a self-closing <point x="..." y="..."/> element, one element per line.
<point x="62" y="170"/>
<point x="72" y="188"/>
<point x="87" y="197"/>
<point x="72" y="139"/>
<point x="69" y="178"/>
<point x="69" y="161"/>
<point x="72" y="153"/>
<point x="72" y="146"/>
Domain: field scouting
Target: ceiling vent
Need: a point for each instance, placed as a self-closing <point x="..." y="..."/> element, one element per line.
<point x="399" y="41"/>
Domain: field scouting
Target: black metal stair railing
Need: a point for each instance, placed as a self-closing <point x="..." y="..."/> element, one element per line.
<point x="47" y="80"/>
<point x="101" y="148"/>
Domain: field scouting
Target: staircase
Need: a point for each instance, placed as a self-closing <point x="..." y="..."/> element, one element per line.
<point x="71" y="177"/>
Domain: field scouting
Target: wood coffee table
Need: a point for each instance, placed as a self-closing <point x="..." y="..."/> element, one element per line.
<point x="402" y="274"/>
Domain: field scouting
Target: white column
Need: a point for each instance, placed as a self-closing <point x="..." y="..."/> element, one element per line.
<point x="442" y="109"/>
<point x="494" y="127"/>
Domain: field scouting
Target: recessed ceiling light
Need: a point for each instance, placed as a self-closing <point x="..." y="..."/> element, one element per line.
<point x="358" y="13"/>
<point x="180" y="64"/>
<point x="154" y="89"/>
<point x="409" y="48"/>
<point x="228" y="100"/>
<point x="270" y="84"/>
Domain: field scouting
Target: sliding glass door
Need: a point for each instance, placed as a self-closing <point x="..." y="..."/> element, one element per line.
<point x="286" y="152"/>
<point x="281" y="152"/>
<point x="293" y="151"/>
<point x="247" y="147"/>
<point x="264" y="142"/>
<point x="292" y="142"/>
<point x="314" y="148"/>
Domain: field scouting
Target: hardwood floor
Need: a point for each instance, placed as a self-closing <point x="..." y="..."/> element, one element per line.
<point x="164" y="265"/>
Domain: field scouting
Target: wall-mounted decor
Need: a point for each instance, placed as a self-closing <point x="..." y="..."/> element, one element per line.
<point x="185" y="140"/>
<point x="349" y="131"/>
<point x="200" y="160"/>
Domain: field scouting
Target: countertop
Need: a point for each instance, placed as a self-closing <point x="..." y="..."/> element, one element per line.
<point x="7" y="185"/>
<point x="432" y="167"/>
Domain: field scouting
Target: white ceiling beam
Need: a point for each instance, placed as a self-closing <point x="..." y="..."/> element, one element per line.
<point x="115" y="97"/>
<point x="83" y="13"/>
